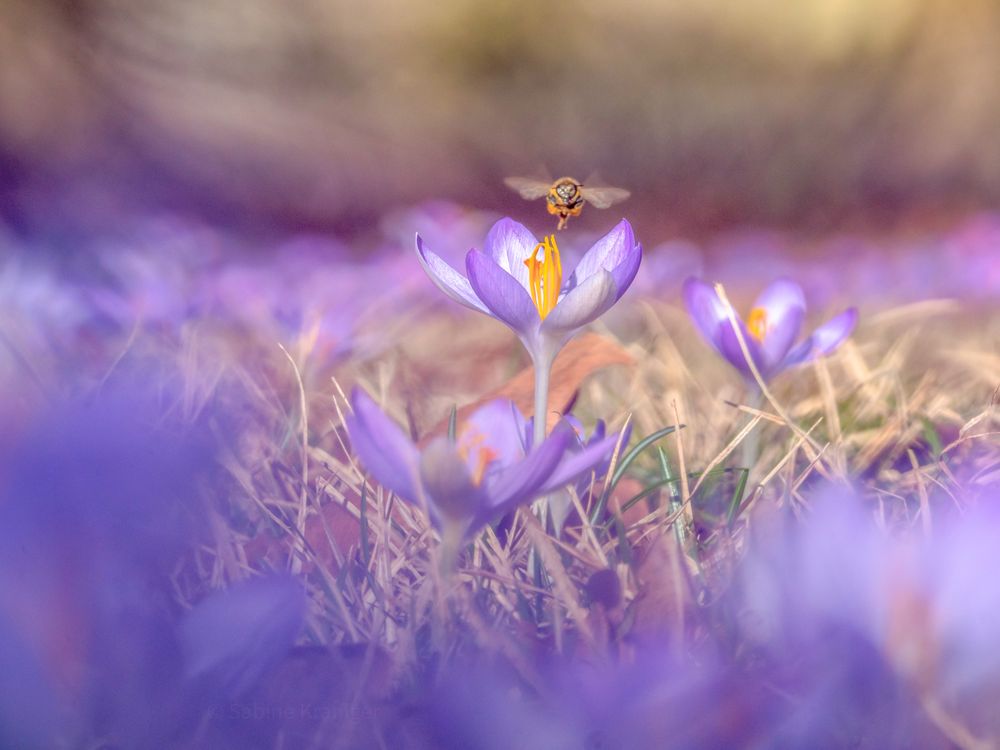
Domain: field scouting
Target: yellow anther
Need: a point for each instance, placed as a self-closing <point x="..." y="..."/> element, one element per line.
<point x="757" y="323"/>
<point x="545" y="275"/>
<point x="484" y="455"/>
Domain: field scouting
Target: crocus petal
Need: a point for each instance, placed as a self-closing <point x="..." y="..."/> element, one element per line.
<point x="520" y="483"/>
<point x="577" y="425"/>
<point x="510" y="244"/>
<point x="607" y="253"/>
<point x="581" y="305"/>
<point x="507" y="300"/>
<point x="232" y="637"/>
<point x="712" y="319"/>
<point x="785" y="307"/>
<point x="824" y="339"/>
<point x="706" y="310"/>
<point x="831" y="334"/>
<point x="499" y="426"/>
<point x="624" y="273"/>
<point x="576" y="464"/>
<point x="729" y="347"/>
<point x="447" y="279"/>
<point x="384" y="449"/>
<point x="451" y="493"/>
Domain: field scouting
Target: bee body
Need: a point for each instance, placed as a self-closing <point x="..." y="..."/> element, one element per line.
<point x="565" y="197"/>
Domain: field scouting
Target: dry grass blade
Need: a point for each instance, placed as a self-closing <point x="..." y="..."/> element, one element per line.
<point x="567" y="594"/>
<point x="300" y="520"/>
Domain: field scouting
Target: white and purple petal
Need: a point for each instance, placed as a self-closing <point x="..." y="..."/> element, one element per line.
<point x="506" y="299"/>
<point x="729" y="347"/>
<point x="521" y="482"/>
<point x="575" y="464"/>
<point x="582" y="304"/>
<point x="499" y="426"/>
<point x="510" y="244"/>
<point x="384" y="449"/>
<point x="705" y="310"/>
<point x="624" y="273"/>
<point x="609" y="252"/>
<point x="447" y="279"/>
<point x="785" y="307"/>
<point x="824" y="339"/>
<point x="600" y="428"/>
<point x="832" y="334"/>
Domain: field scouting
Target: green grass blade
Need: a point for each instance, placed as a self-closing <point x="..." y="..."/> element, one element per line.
<point x="623" y="465"/>
<point x="737" y="499"/>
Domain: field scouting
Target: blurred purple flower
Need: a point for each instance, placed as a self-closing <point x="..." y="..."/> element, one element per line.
<point x="148" y="286"/>
<point x="593" y="452"/>
<point x="233" y="636"/>
<point x="771" y="329"/>
<point x="298" y="299"/>
<point x="665" y="266"/>
<point x="38" y="308"/>
<point x="519" y="281"/>
<point x="946" y="616"/>
<point x="449" y="228"/>
<point x="97" y="508"/>
<point x="971" y="252"/>
<point x="485" y="472"/>
<point x="658" y="699"/>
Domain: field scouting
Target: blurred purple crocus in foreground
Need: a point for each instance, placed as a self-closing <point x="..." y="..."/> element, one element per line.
<point x="99" y="506"/>
<point x="486" y="471"/>
<point x="770" y="330"/>
<point x="519" y="281"/>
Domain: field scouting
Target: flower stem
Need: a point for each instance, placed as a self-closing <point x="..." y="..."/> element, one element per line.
<point x="543" y="368"/>
<point x="751" y="444"/>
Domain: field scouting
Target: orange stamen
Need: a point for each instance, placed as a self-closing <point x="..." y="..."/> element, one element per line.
<point x="545" y="275"/>
<point x="757" y="323"/>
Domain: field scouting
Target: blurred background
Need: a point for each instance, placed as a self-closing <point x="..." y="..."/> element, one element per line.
<point x="319" y="115"/>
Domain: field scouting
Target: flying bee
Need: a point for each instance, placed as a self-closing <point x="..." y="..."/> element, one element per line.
<point x="565" y="197"/>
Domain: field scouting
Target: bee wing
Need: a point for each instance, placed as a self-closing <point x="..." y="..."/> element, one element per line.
<point x="603" y="197"/>
<point x="529" y="188"/>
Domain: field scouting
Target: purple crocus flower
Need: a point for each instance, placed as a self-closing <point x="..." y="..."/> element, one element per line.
<point x="488" y="470"/>
<point x="585" y="457"/>
<point x="93" y="649"/>
<point x="771" y="329"/>
<point x="519" y="281"/>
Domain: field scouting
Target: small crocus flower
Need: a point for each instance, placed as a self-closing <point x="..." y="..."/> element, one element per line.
<point x="770" y="330"/>
<point x="486" y="471"/>
<point x="513" y="435"/>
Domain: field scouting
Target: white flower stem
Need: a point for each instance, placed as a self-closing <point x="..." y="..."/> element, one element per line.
<point x="543" y="369"/>
<point x="751" y="444"/>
